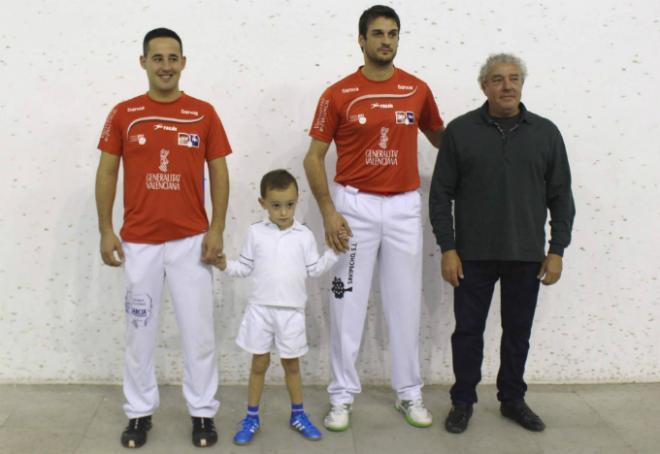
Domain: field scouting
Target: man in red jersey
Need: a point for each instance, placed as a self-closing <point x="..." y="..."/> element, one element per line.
<point x="374" y="115"/>
<point x="164" y="137"/>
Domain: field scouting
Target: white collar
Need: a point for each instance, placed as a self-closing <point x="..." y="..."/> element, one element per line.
<point x="296" y="226"/>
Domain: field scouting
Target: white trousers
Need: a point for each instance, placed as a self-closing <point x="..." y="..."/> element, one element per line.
<point x="147" y="267"/>
<point x="387" y="230"/>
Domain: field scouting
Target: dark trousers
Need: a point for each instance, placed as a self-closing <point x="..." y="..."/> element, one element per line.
<point x="519" y="291"/>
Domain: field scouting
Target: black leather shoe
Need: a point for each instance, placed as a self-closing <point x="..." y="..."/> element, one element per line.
<point x="523" y="415"/>
<point x="458" y="417"/>
<point x="203" y="433"/>
<point x="135" y="434"/>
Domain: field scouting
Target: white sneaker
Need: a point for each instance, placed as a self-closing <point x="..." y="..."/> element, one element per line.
<point x="415" y="412"/>
<point x="338" y="418"/>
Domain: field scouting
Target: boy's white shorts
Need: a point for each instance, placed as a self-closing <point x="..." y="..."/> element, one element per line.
<point x="264" y="325"/>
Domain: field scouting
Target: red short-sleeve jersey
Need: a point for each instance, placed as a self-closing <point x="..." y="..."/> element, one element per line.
<point x="374" y="125"/>
<point x="163" y="148"/>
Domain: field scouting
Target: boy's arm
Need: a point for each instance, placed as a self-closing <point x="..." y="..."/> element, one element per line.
<point x="314" y="264"/>
<point x="324" y="263"/>
<point x="245" y="264"/>
<point x="239" y="268"/>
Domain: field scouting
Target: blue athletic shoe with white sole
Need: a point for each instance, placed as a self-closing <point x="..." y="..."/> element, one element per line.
<point x="301" y="423"/>
<point x="249" y="427"/>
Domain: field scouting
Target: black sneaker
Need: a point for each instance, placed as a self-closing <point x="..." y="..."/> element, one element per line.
<point x="458" y="417"/>
<point x="523" y="415"/>
<point x="135" y="434"/>
<point x="203" y="432"/>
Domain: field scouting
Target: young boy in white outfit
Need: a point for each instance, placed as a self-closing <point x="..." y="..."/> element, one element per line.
<point x="278" y="253"/>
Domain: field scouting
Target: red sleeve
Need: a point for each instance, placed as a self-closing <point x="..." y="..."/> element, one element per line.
<point x="217" y="144"/>
<point x="326" y="118"/>
<point x="430" y="119"/>
<point x="111" y="138"/>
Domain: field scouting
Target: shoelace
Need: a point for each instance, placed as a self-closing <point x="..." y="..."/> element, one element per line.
<point x="337" y="411"/>
<point x="139" y="423"/>
<point x="203" y="422"/>
<point x="249" y="425"/>
<point x="417" y="404"/>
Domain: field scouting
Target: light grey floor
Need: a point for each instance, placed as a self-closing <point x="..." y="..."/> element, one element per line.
<point x="582" y="419"/>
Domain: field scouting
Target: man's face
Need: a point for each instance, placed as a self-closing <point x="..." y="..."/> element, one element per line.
<point x="281" y="205"/>
<point x="163" y="64"/>
<point x="381" y="42"/>
<point x="503" y="88"/>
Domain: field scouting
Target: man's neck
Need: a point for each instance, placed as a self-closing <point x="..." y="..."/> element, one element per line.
<point x="164" y="96"/>
<point x="377" y="73"/>
<point x="504" y="113"/>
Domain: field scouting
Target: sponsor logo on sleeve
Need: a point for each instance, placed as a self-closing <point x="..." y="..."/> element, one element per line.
<point x="322" y="117"/>
<point x="135" y="109"/>
<point x="107" y="127"/>
<point x="404" y="87"/>
<point x="350" y="90"/>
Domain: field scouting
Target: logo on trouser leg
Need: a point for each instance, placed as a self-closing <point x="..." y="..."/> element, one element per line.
<point x="138" y="307"/>
<point x="338" y="288"/>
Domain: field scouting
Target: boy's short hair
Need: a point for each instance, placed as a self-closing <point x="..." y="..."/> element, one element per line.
<point x="277" y="179"/>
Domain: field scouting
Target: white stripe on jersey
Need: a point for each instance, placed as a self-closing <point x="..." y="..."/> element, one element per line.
<point x="156" y="118"/>
<point x="379" y="95"/>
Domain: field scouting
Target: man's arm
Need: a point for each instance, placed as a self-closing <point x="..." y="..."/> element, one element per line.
<point x="559" y="199"/>
<point x="435" y="137"/>
<point x="443" y="190"/>
<point x="106" y="187"/>
<point x="219" y="182"/>
<point x="336" y="227"/>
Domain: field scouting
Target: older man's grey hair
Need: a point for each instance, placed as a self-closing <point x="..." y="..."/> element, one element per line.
<point x="498" y="59"/>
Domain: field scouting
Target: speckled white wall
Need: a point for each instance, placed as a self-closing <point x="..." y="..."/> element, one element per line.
<point x="593" y="70"/>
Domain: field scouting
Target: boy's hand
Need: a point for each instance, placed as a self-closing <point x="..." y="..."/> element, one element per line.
<point x="343" y="235"/>
<point x="221" y="261"/>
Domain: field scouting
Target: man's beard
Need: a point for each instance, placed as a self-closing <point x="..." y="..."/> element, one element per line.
<point x="380" y="61"/>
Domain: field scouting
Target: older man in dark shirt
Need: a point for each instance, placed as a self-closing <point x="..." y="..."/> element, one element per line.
<point x="504" y="168"/>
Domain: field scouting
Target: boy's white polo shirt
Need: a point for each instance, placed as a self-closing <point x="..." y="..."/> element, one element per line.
<point x="279" y="261"/>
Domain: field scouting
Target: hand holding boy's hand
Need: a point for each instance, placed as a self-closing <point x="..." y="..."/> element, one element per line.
<point x="343" y="235"/>
<point x="221" y="262"/>
<point x="337" y="231"/>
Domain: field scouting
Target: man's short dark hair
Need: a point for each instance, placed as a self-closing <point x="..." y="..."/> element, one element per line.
<point x="373" y="13"/>
<point x="277" y="179"/>
<point x="159" y="33"/>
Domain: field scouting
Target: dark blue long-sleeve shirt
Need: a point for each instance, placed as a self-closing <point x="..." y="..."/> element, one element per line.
<point x="502" y="184"/>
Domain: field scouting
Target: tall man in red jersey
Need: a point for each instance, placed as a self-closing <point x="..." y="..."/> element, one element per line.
<point x="373" y="116"/>
<point x="163" y="138"/>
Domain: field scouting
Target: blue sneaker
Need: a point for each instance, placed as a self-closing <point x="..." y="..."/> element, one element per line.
<point x="301" y="423"/>
<point x="249" y="426"/>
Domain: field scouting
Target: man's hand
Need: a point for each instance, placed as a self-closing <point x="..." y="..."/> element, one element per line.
<point x="221" y="262"/>
<point x="550" y="269"/>
<point x="452" y="268"/>
<point x="212" y="246"/>
<point x="109" y="245"/>
<point x="337" y="231"/>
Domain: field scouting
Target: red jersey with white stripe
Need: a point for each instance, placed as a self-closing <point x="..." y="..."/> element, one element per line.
<point x="163" y="148"/>
<point x="374" y="125"/>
